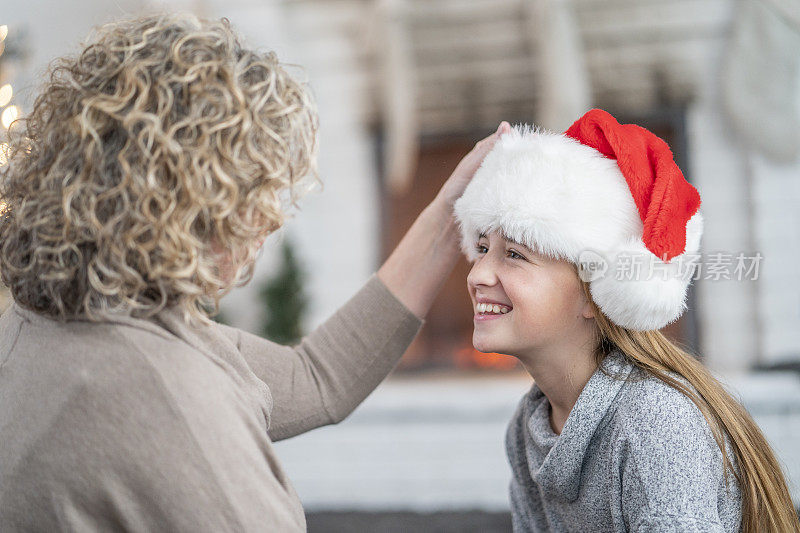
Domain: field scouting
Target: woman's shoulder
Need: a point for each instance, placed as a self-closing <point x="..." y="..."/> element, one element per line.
<point x="99" y="359"/>
<point x="91" y="370"/>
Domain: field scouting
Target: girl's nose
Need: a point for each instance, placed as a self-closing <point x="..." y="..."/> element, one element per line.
<point x="482" y="272"/>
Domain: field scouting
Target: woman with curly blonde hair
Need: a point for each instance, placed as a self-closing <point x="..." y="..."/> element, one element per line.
<point x="137" y="193"/>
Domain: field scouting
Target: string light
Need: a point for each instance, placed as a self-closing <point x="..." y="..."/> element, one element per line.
<point x="5" y="94"/>
<point x="5" y="97"/>
<point x="11" y="112"/>
<point x="9" y="115"/>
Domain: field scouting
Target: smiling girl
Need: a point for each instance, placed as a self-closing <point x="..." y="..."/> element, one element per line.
<point x="580" y="243"/>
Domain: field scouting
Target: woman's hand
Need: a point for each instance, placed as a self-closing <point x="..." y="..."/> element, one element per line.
<point x="455" y="185"/>
<point x="417" y="268"/>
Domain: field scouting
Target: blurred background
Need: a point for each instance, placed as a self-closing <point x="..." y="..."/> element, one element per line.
<point x="405" y="88"/>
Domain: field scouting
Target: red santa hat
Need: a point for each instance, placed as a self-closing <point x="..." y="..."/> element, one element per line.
<point x="601" y="190"/>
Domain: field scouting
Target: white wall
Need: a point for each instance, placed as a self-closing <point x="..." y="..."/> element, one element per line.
<point x="54" y="29"/>
<point x="750" y="205"/>
<point x="776" y="203"/>
<point x="726" y="308"/>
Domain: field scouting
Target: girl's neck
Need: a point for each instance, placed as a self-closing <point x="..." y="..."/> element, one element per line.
<point x="561" y="374"/>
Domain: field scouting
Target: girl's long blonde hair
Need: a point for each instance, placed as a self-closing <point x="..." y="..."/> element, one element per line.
<point x="766" y="503"/>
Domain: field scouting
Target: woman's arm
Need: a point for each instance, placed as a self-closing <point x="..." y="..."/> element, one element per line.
<point x="322" y="379"/>
<point x="330" y="372"/>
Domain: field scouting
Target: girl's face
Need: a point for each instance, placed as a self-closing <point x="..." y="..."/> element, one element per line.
<point x="543" y="297"/>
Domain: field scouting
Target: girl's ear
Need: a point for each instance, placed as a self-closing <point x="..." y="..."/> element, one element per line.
<point x="586" y="311"/>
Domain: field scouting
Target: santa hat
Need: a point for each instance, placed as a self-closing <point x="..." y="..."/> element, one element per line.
<point x="603" y="190"/>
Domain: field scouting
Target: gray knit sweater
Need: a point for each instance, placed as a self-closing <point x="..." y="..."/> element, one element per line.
<point x="634" y="455"/>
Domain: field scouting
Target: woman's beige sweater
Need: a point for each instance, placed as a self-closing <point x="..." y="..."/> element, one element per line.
<point x="149" y="425"/>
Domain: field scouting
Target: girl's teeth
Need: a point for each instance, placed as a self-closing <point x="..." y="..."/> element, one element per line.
<point x="492" y="308"/>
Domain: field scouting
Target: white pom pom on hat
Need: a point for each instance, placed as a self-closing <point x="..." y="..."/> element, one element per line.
<point x="599" y="189"/>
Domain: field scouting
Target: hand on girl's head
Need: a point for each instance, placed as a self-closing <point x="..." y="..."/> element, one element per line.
<point x="454" y="187"/>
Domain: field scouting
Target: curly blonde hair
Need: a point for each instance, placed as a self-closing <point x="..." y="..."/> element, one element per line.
<point x="162" y="150"/>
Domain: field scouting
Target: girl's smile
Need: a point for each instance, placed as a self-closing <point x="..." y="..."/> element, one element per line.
<point x="490" y="310"/>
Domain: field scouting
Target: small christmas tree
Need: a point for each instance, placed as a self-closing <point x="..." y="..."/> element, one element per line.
<point x="284" y="300"/>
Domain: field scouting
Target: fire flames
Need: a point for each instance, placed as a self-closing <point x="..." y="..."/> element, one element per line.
<point x="469" y="357"/>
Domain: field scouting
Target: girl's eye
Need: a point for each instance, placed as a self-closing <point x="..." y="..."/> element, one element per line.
<point x="481" y="249"/>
